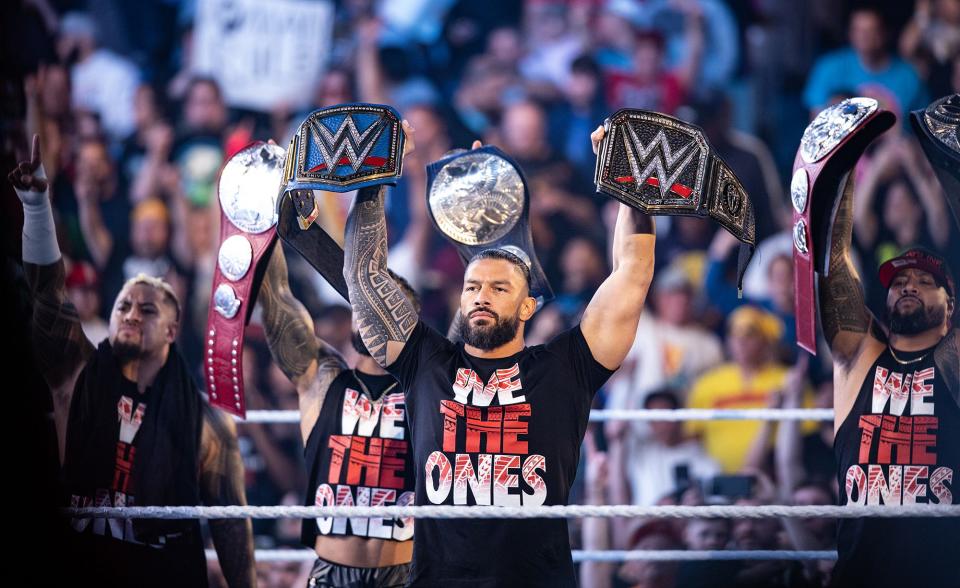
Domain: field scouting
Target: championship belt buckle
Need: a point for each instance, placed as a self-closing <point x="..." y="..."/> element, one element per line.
<point x="938" y="130"/>
<point x="478" y="200"/>
<point x="336" y="149"/>
<point x="829" y="149"/>
<point x="661" y="165"/>
<point x="248" y="188"/>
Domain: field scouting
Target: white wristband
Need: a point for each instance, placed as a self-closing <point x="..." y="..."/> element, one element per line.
<point x="39" y="233"/>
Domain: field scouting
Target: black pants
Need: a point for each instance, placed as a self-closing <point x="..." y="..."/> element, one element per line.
<point x="327" y="574"/>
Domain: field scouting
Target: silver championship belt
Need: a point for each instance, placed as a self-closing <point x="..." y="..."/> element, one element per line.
<point x="337" y="149"/>
<point x="249" y="183"/>
<point x="478" y="199"/>
<point x="829" y="149"/>
<point x="664" y="166"/>
<point x="938" y="130"/>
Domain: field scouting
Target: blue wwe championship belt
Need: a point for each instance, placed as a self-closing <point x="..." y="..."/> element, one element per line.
<point x="479" y="200"/>
<point x="337" y="149"/>
<point x="661" y="165"/>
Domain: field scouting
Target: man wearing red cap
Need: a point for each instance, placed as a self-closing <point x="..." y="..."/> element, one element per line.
<point x="897" y="414"/>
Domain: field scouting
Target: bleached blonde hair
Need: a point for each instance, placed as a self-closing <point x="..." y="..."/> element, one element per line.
<point x="157" y="284"/>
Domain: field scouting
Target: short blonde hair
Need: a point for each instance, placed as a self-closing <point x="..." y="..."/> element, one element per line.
<point x="156" y="284"/>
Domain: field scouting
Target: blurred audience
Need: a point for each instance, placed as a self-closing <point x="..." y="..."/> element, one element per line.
<point x="134" y="140"/>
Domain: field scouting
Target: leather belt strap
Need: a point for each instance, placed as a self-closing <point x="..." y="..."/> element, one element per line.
<point x="247" y="190"/>
<point x="829" y="149"/>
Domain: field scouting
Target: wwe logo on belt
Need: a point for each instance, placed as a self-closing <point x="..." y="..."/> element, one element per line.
<point x="348" y="145"/>
<point x="661" y="168"/>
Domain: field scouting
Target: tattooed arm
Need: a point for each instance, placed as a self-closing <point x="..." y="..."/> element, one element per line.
<point x="221" y="484"/>
<point x="307" y="361"/>
<point x="60" y="347"/>
<point x="846" y="321"/>
<point x="384" y="316"/>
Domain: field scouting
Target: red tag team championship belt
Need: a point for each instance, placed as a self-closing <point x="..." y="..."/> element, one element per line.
<point x="830" y="147"/>
<point x="248" y="189"/>
<point x="337" y="149"/>
<point x="663" y="166"/>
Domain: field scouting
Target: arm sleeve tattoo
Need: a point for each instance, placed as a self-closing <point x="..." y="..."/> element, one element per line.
<point x="842" y="307"/>
<point x="59" y="345"/>
<point x="289" y="328"/>
<point x="221" y="484"/>
<point x="382" y="312"/>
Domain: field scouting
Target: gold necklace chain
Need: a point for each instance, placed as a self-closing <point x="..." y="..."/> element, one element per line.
<point x="908" y="361"/>
<point x="367" y="390"/>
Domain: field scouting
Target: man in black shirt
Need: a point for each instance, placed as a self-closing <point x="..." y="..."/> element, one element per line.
<point x="356" y="443"/>
<point x="897" y="421"/>
<point x="494" y="422"/>
<point x="132" y="427"/>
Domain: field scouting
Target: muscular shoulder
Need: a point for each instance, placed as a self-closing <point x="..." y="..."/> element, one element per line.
<point x="218" y="433"/>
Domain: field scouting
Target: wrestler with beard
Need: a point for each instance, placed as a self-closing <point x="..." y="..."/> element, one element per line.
<point x="493" y="421"/>
<point x="347" y="417"/>
<point x="132" y="426"/>
<point x="897" y="413"/>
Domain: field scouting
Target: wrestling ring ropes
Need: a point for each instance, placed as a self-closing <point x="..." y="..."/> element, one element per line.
<point x="600" y="511"/>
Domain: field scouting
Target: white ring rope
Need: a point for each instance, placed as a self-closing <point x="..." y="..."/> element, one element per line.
<point x="517" y="512"/>
<point x="302" y="555"/>
<point x="658" y="414"/>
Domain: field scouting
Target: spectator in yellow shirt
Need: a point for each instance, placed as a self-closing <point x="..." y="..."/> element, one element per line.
<point x="748" y="381"/>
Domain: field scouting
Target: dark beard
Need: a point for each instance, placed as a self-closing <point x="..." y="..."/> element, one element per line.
<point x="489" y="337"/>
<point x="125" y="353"/>
<point x="357" y="341"/>
<point x="918" y="321"/>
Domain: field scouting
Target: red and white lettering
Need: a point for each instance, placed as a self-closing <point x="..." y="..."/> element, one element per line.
<point x="392" y="416"/>
<point x="130" y="420"/>
<point x="531" y="464"/>
<point x="856" y="479"/>
<point x="914" y="483"/>
<point x="503" y="480"/>
<point x="938" y="485"/>
<point x="478" y="482"/>
<point x="324" y="497"/>
<point x="360" y="415"/>
<point x="469" y="389"/>
<point x="889" y="489"/>
<point x="438" y="488"/>
<point x="920" y="390"/>
<point x="403" y="527"/>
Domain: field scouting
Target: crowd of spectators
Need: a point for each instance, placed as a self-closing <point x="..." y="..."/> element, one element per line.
<point x="133" y="141"/>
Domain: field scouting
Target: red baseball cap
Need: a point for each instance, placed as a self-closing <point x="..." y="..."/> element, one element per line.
<point x="921" y="259"/>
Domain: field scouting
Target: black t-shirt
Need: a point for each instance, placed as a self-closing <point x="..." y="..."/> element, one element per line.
<point x="110" y="551"/>
<point x="358" y="454"/>
<point x="503" y="432"/>
<point x="900" y="444"/>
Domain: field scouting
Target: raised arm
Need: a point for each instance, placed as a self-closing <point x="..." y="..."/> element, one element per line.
<point x="307" y="361"/>
<point x="384" y="316"/>
<point x="59" y="346"/>
<point x="610" y="321"/>
<point x="221" y="484"/>
<point x="844" y="316"/>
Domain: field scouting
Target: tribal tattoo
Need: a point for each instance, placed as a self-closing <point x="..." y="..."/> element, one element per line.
<point x="842" y="306"/>
<point x="60" y="346"/>
<point x="221" y="484"/>
<point x="382" y="312"/>
<point x="289" y="329"/>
